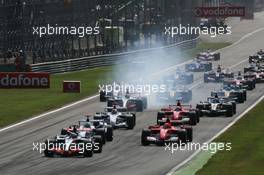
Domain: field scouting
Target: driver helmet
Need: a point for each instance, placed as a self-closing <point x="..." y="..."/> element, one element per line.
<point x="178" y="108"/>
<point x="114" y="110"/>
<point x="74" y="129"/>
<point x="219" y="69"/>
<point x="216" y="95"/>
<point x="167" y="124"/>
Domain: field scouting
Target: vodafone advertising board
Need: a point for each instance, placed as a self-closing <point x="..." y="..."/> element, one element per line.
<point x="24" y="80"/>
<point x="222" y="11"/>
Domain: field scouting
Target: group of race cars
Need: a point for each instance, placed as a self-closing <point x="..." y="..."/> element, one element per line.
<point x="235" y="87"/>
<point x="173" y="123"/>
<point x="91" y="133"/>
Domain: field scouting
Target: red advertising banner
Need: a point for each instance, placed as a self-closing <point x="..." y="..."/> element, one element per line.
<point x="222" y="11"/>
<point x="24" y="80"/>
<point x="72" y="86"/>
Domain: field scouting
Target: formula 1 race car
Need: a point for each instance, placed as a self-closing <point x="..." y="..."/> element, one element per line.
<point x="254" y="71"/>
<point x="116" y="117"/>
<point x="97" y="127"/>
<point x="253" y="68"/>
<point x="260" y="52"/>
<point x="258" y="75"/>
<point x="217" y="76"/>
<point x="198" y="66"/>
<point x="74" y="144"/>
<point x="245" y="83"/>
<point x="208" y="56"/>
<point x="233" y="94"/>
<point x="109" y="91"/>
<point x="133" y="102"/>
<point x="104" y="95"/>
<point x="217" y="107"/>
<point x="256" y="58"/>
<point x="172" y="95"/>
<point x="184" y="114"/>
<point x="167" y="133"/>
<point x="179" y="78"/>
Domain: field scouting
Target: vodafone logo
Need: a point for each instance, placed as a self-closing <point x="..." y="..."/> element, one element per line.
<point x="24" y="80"/>
<point x="226" y="11"/>
<point x="198" y="12"/>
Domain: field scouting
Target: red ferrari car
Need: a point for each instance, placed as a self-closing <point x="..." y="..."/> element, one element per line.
<point x="167" y="133"/>
<point x="184" y="114"/>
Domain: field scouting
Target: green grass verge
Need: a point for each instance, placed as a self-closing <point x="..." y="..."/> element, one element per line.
<point x="20" y="104"/>
<point x="23" y="103"/>
<point x="196" y="164"/>
<point x="247" y="154"/>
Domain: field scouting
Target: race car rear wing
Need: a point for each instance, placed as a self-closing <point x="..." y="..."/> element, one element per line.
<point x="119" y="109"/>
<point x="184" y="106"/>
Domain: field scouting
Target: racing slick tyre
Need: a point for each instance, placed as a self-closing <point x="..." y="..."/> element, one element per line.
<point x="198" y="114"/>
<point x="131" y="122"/>
<point x="47" y="151"/>
<point x="109" y="133"/>
<point x="182" y="134"/>
<point x="208" y="67"/>
<point x="216" y="56"/>
<point x="245" y="95"/>
<point x="229" y="110"/>
<point x="145" y="102"/>
<point x="206" y="80"/>
<point x="193" y="118"/>
<point x="144" y="135"/>
<point x="160" y="115"/>
<point x="251" y="85"/>
<point x="199" y="108"/>
<point x="189" y="134"/>
<point x="139" y="106"/>
<point x="88" y="152"/>
<point x="240" y="98"/>
<point x="98" y="144"/>
<point x="64" y="132"/>
<point x="102" y="96"/>
<point x="101" y="132"/>
<point x="234" y="107"/>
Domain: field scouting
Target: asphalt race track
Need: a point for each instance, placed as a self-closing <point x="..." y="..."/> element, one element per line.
<point x="124" y="155"/>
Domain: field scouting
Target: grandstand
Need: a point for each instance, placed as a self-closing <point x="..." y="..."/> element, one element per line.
<point x="124" y="25"/>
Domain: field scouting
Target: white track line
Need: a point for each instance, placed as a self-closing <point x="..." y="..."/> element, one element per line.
<point x="93" y="97"/>
<point x="172" y="171"/>
<point x="48" y="113"/>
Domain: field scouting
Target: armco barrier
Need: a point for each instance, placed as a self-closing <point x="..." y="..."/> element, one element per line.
<point x="103" y="60"/>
